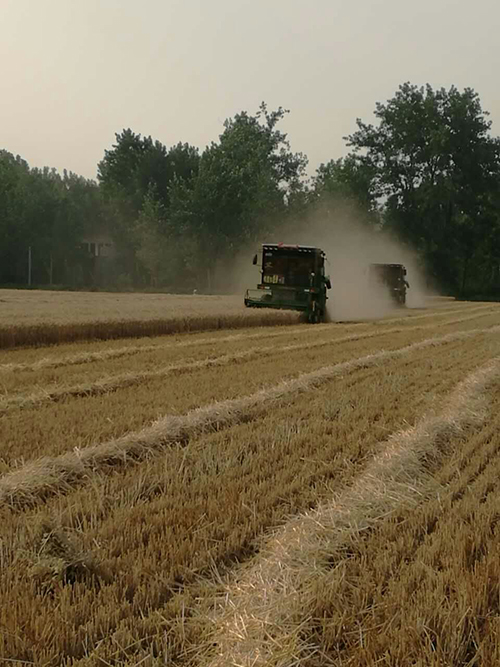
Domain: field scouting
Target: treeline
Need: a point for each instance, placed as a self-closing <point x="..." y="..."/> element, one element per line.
<point x="428" y="173"/>
<point x="43" y="217"/>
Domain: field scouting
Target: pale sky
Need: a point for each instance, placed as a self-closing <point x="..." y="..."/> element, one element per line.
<point x="74" y="72"/>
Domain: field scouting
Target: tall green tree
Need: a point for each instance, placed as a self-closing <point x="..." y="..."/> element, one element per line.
<point x="135" y="164"/>
<point x="133" y="173"/>
<point x="435" y="165"/>
<point x="14" y="174"/>
<point x="242" y="187"/>
<point x="349" y="179"/>
<point x="47" y="213"/>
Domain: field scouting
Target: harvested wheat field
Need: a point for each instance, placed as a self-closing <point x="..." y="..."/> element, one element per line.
<point x="292" y="495"/>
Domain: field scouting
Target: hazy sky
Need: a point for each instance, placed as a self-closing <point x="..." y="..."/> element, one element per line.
<point x="74" y="72"/>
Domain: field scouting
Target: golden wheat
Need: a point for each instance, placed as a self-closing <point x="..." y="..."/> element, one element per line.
<point x="50" y="318"/>
<point x="47" y="476"/>
<point x="259" y="618"/>
<point x="108" y="384"/>
<point x="197" y="509"/>
<point x="80" y="358"/>
<point x="127" y="564"/>
<point x="49" y="427"/>
<point x="433" y="598"/>
<point x="12" y="336"/>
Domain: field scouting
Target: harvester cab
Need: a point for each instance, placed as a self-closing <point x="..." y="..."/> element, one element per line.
<point x="393" y="278"/>
<point x="292" y="278"/>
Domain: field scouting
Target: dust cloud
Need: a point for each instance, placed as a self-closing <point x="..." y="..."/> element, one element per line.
<point x="351" y="245"/>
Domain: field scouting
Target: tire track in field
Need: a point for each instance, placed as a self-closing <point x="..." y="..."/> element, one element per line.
<point x="119" y="381"/>
<point x="50" y="475"/>
<point x="80" y="358"/>
<point x="258" y="619"/>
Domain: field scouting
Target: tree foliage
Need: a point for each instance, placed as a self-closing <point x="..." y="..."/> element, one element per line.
<point x="44" y="211"/>
<point x="436" y="167"/>
<point x="427" y="170"/>
<point x="135" y="164"/>
<point x="349" y="179"/>
<point x="241" y="188"/>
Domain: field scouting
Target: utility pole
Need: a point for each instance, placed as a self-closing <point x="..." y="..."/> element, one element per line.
<point x="29" y="266"/>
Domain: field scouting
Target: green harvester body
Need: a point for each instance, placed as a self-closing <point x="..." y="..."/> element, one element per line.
<point x="292" y="278"/>
<point x="393" y="278"/>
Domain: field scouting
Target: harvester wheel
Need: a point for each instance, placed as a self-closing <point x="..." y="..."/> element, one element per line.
<point x="314" y="315"/>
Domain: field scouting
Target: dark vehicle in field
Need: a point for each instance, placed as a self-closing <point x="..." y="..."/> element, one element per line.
<point x="292" y="278"/>
<point x="393" y="278"/>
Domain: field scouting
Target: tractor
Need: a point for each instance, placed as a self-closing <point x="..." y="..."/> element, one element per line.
<point x="292" y="278"/>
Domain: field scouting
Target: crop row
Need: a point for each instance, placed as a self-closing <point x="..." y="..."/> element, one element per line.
<point x="110" y="572"/>
<point x="61" y="414"/>
<point x="50" y="475"/>
<point x="107" y="384"/>
<point x="55" y="333"/>
<point x="102" y="353"/>
<point x="423" y="587"/>
<point x="261" y="617"/>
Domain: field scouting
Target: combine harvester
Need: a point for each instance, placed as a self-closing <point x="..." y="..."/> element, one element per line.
<point x="292" y="278"/>
<point x="392" y="277"/>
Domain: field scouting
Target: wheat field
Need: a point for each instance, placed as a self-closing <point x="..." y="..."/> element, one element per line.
<point x="40" y="317"/>
<point x="276" y="495"/>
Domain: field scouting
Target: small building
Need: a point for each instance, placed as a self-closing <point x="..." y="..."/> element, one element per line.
<point x="99" y="245"/>
<point x="96" y="266"/>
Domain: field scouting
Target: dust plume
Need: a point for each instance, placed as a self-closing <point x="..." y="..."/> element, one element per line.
<point x="351" y="245"/>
